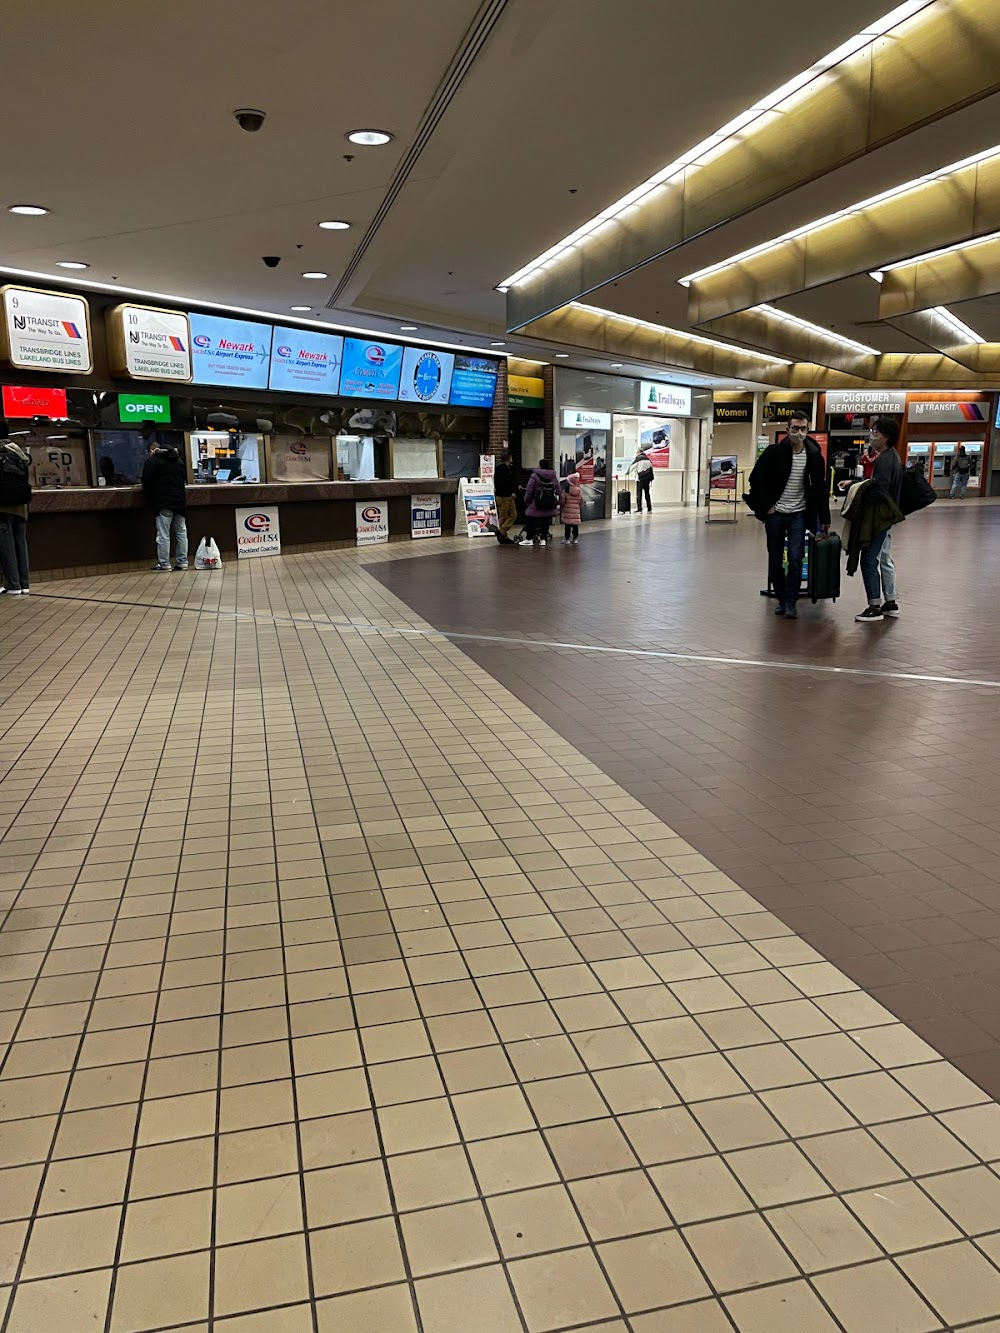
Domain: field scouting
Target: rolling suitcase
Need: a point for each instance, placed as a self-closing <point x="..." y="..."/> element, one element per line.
<point x="823" y="555"/>
<point x="624" y="502"/>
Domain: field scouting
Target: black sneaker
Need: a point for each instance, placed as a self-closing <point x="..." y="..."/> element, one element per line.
<point x="779" y="610"/>
<point x="890" y="610"/>
<point x="791" y="611"/>
<point x="869" y="615"/>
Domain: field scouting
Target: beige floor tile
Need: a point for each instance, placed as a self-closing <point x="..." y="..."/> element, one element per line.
<point x="424" y="1179"/>
<point x="738" y="1252"/>
<point x="558" y="1290"/>
<point x="360" y="1254"/>
<point x="699" y="1189"/>
<point x="701" y="1077"/>
<point x="161" y="1291"/>
<point x="12" y="1238"/>
<point x="619" y="1205"/>
<point x="170" y="1225"/>
<point x="875" y="1294"/>
<point x="64" y="1303"/>
<point x="492" y="1112"/>
<point x="807" y="1109"/>
<point x="956" y="1281"/>
<point x="512" y="1162"/>
<point x="82" y="1182"/>
<point x="265" y="1272"/>
<point x="665" y="1136"/>
<point x="971" y="1198"/>
<point x="852" y="1160"/>
<point x="292" y="1319"/>
<point x="652" y="1270"/>
<point x="737" y="1122"/>
<point x="258" y="1208"/>
<point x="979" y="1129"/>
<point x="408" y="1128"/>
<point x="532" y="1221"/>
<point x="366" y="1312"/>
<point x="940" y="1087"/>
<point x="445" y="1302"/>
<point x="923" y="1145"/>
<point x="789" y="1308"/>
<point x="19" y="1189"/>
<point x="561" y="1101"/>
<point x="66" y="1242"/>
<point x="635" y="1088"/>
<point x="252" y="1153"/>
<point x="822" y="1234"/>
<point x="874" y="1098"/>
<point x="591" y="1148"/>
<point x="901" y="1217"/>
<point x="346" y="1193"/>
<point x="699" y="1317"/>
<point x="455" y="1236"/>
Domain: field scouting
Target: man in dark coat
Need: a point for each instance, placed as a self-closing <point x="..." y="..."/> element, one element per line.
<point x="164" y="479"/>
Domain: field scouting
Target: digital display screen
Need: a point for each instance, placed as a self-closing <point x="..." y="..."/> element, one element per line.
<point x="370" y="369"/>
<point x="426" y="375"/>
<point x="474" y="382"/>
<point x="307" y="361"/>
<point x="230" y="351"/>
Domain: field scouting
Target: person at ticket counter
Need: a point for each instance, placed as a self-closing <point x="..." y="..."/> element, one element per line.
<point x="15" y="497"/>
<point x="504" y="486"/>
<point x="788" y="493"/>
<point x="163" y="480"/>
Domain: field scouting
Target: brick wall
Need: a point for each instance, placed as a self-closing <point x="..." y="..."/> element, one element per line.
<point x="549" y="380"/>
<point x="499" y="419"/>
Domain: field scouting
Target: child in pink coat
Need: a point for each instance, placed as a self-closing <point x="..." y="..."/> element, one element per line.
<point x="569" y="503"/>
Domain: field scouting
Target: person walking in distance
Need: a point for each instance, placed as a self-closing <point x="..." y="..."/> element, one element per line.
<point x="570" y="500"/>
<point x="644" y="476"/>
<point x="960" y="471"/>
<point x="788" y="492"/>
<point x="877" y="568"/>
<point x="15" y="497"/>
<point x="163" y="480"/>
<point x="504" y="486"/>
<point x="541" y="504"/>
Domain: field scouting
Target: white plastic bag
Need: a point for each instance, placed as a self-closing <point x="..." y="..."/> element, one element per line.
<point x="207" y="556"/>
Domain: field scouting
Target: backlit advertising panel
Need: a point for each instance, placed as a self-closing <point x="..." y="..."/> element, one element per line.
<point x="474" y="382"/>
<point x="230" y="351"/>
<point x="426" y="376"/>
<point x="371" y="369"/>
<point x="304" y="360"/>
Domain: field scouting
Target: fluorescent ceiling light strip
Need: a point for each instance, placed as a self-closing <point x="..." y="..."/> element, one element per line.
<point x="199" y="302"/>
<point x="681" y="333"/>
<point x="907" y="187"/>
<point x="953" y="321"/>
<point x="728" y="131"/>
<point x="945" y="250"/>
<point x="816" y="329"/>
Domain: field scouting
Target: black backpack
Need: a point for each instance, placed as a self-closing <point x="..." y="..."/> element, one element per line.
<point x="915" y="492"/>
<point x="15" y="488"/>
<point x="545" y="495"/>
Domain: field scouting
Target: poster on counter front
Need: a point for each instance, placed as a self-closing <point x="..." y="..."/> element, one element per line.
<point x="371" y="521"/>
<point x="425" y="516"/>
<point x="258" y="532"/>
<point x="45" y="330"/>
<point x="476" y="512"/>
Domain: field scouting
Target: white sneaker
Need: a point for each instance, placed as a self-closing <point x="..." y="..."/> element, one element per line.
<point x="526" y="541"/>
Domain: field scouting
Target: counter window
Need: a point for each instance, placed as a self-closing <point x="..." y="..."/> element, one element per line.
<point x="414" y="460"/>
<point x="223" y="456"/>
<point x="298" y="458"/>
<point x="58" y="456"/>
<point x="356" y="459"/>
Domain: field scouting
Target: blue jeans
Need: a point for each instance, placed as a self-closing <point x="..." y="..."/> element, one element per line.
<point x="874" y="573"/>
<point x="781" y="528"/>
<point x="166" y="520"/>
<point x="959" y="481"/>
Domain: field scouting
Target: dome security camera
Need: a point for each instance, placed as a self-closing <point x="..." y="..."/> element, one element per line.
<point x="272" y="261"/>
<point x="249" y="119"/>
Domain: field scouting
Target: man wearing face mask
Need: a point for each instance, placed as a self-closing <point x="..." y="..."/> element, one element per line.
<point x="788" y="493"/>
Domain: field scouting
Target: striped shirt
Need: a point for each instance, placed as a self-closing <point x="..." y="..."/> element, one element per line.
<point x="793" y="497"/>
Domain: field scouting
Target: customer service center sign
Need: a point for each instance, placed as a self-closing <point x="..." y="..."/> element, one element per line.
<point x="45" y="331"/>
<point x="258" y="532"/>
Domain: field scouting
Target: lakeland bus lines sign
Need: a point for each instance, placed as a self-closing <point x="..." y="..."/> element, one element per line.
<point x="257" y="532"/>
<point x="45" y="331"/>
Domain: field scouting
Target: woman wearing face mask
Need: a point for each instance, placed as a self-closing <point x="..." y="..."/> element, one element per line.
<point x="788" y="493"/>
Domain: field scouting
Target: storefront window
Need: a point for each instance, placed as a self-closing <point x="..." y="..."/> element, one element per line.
<point x="356" y="458"/>
<point x="298" y="458"/>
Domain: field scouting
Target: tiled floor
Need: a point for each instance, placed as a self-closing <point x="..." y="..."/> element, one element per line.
<point x="340" y="992"/>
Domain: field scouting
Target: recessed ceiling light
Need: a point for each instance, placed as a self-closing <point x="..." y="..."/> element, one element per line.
<point x="617" y="365"/>
<point x="408" y="328"/>
<point x="28" y="210"/>
<point x="314" y="273"/>
<point x="302" y="308"/>
<point x="498" y="344"/>
<point x="333" y="226"/>
<point x="562" y="354"/>
<point x="370" y="138"/>
<point x="71" y="263"/>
